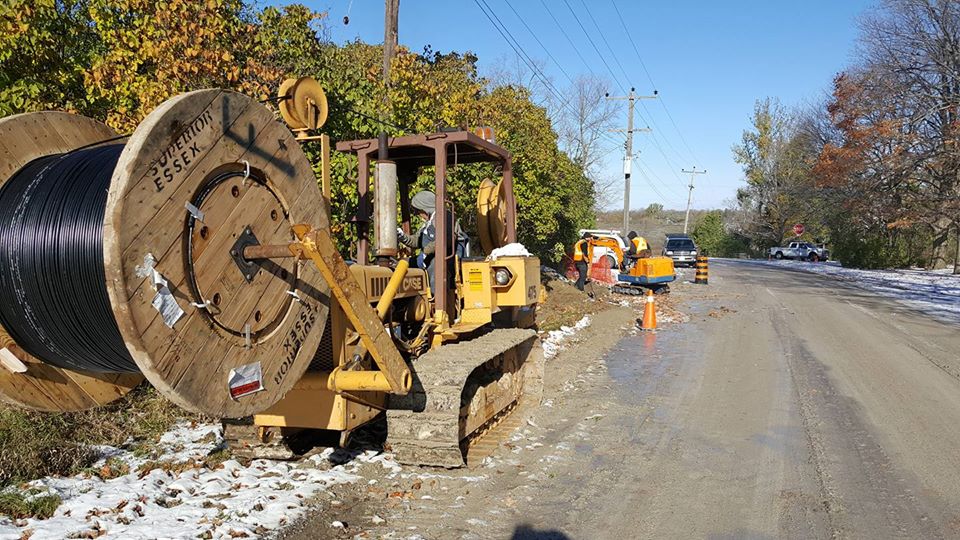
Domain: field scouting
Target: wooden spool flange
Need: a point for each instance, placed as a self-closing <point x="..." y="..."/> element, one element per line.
<point x="44" y="387"/>
<point x="196" y="148"/>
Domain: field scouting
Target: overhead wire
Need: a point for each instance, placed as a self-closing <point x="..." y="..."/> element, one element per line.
<point x="604" y="39"/>
<point x="526" y="58"/>
<point x="511" y="40"/>
<point x="649" y="175"/>
<point x="657" y="133"/>
<point x="542" y="46"/>
<point x="517" y="48"/>
<point x="594" y="45"/>
<point x="643" y="65"/>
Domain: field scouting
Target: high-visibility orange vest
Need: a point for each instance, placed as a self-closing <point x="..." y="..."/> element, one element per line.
<point x="583" y="251"/>
<point x="639" y="244"/>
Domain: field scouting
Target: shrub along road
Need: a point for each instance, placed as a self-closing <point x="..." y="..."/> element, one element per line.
<point x="791" y="405"/>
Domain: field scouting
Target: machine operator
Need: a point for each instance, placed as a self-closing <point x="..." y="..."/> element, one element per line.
<point x="424" y="205"/>
<point x="638" y="247"/>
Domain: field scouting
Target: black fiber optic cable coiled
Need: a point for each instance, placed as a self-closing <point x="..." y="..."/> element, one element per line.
<point x="53" y="293"/>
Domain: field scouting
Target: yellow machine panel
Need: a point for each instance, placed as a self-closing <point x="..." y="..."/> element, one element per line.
<point x="523" y="289"/>
<point x="374" y="279"/>
<point x="653" y="267"/>
<point x="311" y="405"/>
<point x="484" y="294"/>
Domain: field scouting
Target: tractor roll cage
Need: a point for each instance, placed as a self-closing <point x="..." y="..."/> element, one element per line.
<point x="410" y="152"/>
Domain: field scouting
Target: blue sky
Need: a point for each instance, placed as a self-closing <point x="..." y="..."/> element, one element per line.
<point x="709" y="60"/>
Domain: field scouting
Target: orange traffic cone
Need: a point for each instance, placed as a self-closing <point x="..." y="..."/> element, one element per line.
<point x="649" y="313"/>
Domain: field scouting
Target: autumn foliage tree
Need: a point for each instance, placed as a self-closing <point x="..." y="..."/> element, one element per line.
<point x="881" y="159"/>
<point x="893" y="174"/>
<point x="116" y="60"/>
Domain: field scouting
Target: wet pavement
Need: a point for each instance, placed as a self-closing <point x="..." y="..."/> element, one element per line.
<point x="787" y="407"/>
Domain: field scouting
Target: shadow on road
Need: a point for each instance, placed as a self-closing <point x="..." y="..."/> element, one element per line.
<point x="526" y="532"/>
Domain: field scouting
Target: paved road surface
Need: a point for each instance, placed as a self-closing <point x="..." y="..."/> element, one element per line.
<point x="790" y="406"/>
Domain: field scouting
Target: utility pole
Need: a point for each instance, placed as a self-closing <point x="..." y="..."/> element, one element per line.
<point x="390" y="31"/>
<point x="692" y="173"/>
<point x="386" y="170"/>
<point x="628" y="155"/>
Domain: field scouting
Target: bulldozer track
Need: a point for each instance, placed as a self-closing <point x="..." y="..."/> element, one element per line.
<point x="461" y="395"/>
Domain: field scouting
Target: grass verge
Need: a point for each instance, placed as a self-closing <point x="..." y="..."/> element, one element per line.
<point x="19" y="505"/>
<point x="34" y="445"/>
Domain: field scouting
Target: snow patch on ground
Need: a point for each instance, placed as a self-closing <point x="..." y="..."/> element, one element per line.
<point x="935" y="293"/>
<point x="553" y="343"/>
<point x="153" y="501"/>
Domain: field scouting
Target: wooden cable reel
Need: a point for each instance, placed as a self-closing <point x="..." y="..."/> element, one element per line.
<point x="491" y="215"/>
<point x="204" y="175"/>
<point x="226" y="154"/>
<point x="42" y="386"/>
<point x="302" y="103"/>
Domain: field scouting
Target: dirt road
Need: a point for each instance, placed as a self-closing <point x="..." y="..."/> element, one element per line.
<point x="790" y="405"/>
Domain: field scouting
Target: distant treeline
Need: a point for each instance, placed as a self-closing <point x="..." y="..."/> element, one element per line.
<point x="874" y="170"/>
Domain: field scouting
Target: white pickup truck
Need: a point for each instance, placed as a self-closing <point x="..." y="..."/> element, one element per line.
<point x="800" y="250"/>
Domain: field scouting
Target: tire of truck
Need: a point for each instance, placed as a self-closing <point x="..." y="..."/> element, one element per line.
<point x="778" y="255"/>
<point x="814" y="257"/>
<point x="614" y="265"/>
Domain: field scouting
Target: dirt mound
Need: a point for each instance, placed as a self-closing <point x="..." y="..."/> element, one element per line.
<point x="565" y="304"/>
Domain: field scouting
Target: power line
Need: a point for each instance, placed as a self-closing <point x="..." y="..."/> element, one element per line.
<point x="663" y="198"/>
<point x="613" y="54"/>
<point x="524" y="56"/>
<point x="575" y="50"/>
<point x="542" y="46"/>
<point x="604" y="38"/>
<point x="668" y="185"/>
<point x="517" y="48"/>
<point x="566" y="35"/>
<point x="594" y="45"/>
<point x="636" y="50"/>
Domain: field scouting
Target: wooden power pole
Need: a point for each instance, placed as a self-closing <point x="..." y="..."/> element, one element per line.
<point x="686" y="219"/>
<point x="628" y="155"/>
<point x="390" y="31"/>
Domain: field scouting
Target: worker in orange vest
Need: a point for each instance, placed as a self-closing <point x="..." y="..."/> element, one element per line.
<point x="638" y="248"/>
<point x="582" y="257"/>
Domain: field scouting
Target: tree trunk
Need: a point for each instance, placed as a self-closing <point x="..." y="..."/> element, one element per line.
<point x="956" y="257"/>
<point x="941" y="236"/>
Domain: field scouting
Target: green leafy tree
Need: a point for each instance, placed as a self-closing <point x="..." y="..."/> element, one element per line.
<point x="45" y="48"/>
<point x="117" y="60"/>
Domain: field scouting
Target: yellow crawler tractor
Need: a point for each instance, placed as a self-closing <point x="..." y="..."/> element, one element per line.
<point x="444" y="364"/>
<point x="197" y="254"/>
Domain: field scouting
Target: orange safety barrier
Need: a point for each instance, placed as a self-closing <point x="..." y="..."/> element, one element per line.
<point x="601" y="271"/>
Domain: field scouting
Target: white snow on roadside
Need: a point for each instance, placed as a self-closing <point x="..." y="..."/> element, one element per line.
<point x="936" y="293"/>
<point x="230" y="501"/>
<point x="553" y="343"/>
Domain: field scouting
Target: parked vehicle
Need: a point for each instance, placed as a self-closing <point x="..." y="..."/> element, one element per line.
<point x="801" y="251"/>
<point x="681" y="248"/>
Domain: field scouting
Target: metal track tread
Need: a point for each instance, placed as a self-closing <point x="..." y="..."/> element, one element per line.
<point x="459" y="390"/>
<point x="639" y="290"/>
